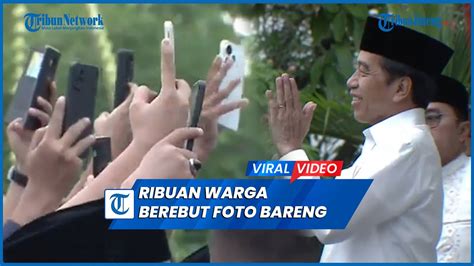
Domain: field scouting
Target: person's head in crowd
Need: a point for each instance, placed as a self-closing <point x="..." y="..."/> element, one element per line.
<point x="448" y="117"/>
<point x="393" y="71"/>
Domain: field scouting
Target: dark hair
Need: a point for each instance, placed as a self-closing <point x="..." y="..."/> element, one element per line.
<point x="424" y="86"/>
<point x="460" y="114"/>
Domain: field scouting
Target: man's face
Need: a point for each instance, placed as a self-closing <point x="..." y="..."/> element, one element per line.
<point x="370" y="91"/>
<point x="448" y="131"/>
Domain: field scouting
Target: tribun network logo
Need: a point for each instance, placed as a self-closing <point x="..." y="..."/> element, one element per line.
<point x="40" y="21"/>
<point x="119" y="204"/>
<point x="295" y="169"/>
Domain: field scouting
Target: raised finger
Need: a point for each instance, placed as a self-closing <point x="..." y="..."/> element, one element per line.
<point x="168" y="71"/>
<point x="279" y="92"/>
<point x="296" y="94"/>
<point x="287" y="92"/>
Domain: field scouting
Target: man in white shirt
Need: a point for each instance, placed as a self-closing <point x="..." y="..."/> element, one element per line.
<point x="448" y="117"/>
<point x="400" y="217"/>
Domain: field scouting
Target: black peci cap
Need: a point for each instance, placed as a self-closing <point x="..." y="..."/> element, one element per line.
<point x="405" y="46"/>
<point x="452" y="92"/>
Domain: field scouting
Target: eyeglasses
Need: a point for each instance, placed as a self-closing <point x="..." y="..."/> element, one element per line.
<point x="434" y="118"/>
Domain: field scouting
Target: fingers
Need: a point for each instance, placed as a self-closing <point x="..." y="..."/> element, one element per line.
<point x="128" y="100"/>
<point x="288" y="96"/>
<point x="183" y="89"/>
<point x="215" y="66"/>
<point x="187" y="153"/>
<point x="221" y="95"/>
<point x="296" y="94"/>
<point x="179" y="135"/>
<point x="56" y="121"/>
<point x="215" y="82"/>
<point x="228" y="107"/>
<point x="89" y="180"/>
<point x="15" y="125"/>
<point x="141" y="95"/>
<point x="37" y="137"/>
<point x="74" y="131"/>
<point x="168" y="71"/>
<point x="308" y="111"/>
<point x="45" y="105"/>
<point x="53" y="92"/>
<point x="272" y="104"/>
<point x="279" y="92"/>
<point x="40" y="115"/>
<point x="82" y="145"/>
<point x="103" y="115"/>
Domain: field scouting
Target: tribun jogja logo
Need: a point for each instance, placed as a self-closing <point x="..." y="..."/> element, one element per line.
<point x="40" y="21"/>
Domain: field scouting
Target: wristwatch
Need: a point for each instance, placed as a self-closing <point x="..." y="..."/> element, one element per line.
<point x="14" y="176"/>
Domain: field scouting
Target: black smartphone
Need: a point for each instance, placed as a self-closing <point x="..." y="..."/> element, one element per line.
<point x="197" y="97"/>
<point x="39" y="72"/>
<point x="80" y="97"/>
<point x="124" y="75"/>
<point x="102" y="155"/>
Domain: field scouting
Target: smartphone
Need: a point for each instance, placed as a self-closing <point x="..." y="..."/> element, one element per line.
<point x="34" y="82"/>
<point x="169" y="34"/>
<point x="102" y="155"/>
<point x="197" y="98"/>
<point x="124" y="75"/>
<point x="237" y="71"/>
<point x="80" y="97"/>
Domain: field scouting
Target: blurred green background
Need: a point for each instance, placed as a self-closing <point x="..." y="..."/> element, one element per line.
<point x="315" y="43"/>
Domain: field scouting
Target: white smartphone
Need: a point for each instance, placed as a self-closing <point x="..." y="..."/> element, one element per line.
<point x="237" y="71"/>
<point x="169" y="33"/>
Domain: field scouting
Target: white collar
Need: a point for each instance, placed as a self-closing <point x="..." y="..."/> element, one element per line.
<point x="454" y="165"/>
<point x="379" y="131"/>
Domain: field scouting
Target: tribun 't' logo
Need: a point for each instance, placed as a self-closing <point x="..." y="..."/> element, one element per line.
<point x="119" y="204"/>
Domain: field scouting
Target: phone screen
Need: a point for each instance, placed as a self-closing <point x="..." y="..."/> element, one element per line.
<point x="34" y="66"/>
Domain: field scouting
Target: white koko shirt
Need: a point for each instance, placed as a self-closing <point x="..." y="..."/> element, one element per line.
<point x="455" y="242"/>
<point x="400" y="217"/>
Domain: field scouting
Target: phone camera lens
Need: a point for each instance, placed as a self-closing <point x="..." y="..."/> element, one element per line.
<point x="229" y="49"/>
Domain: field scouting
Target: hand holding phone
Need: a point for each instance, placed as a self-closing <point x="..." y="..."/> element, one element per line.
<point x="197" y="96"/>
<point x="229" y="50"/>
<point x="35" y="81"/>
<point x="124" y="75"/>
<point x="80" y="97"/>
